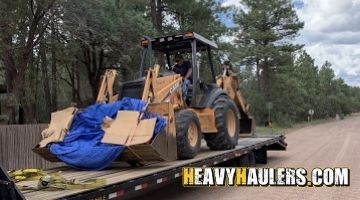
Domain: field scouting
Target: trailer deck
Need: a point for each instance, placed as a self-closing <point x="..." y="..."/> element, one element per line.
<point x="124" y="181"/>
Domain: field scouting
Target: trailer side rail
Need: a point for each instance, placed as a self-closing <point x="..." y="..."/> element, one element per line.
<point x="143" y="184"/>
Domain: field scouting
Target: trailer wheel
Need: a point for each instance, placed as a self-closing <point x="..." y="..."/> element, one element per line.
<point x="247" y="160"/>
<point x="227" y="123"/>
<point x="188" y="134"/>
<point x="252" y="159"/>
<point x="261" y="156"/>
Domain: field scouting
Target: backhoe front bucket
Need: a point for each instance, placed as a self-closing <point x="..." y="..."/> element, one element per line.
<point x="137" y="136"/>
<point x="159" y="148"/>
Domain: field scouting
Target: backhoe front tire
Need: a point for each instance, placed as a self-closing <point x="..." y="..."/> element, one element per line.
<point x="228" y="124"/>
<point x="188" y="134"/>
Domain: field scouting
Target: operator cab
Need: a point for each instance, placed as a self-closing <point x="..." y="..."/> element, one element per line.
<point x="194" y="47"/>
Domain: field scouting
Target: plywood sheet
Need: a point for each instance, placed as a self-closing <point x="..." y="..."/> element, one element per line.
<point x="121" y="128"/>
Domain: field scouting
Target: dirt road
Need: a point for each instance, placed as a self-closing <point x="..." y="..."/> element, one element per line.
<point x="335" y="144"/>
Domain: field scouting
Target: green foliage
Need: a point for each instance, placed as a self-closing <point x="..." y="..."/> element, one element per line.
<point x="61" y="60"/>
<point x="199" y="16"/>
<point x="264" y="42"/>
<point x="115" y="32"/>
<point x="265" y="31"/>
<point x="299" y="87"/>
<point x="58" y="49"/>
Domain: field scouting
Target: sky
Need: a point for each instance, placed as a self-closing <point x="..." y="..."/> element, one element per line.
<point x="331" y="32"/>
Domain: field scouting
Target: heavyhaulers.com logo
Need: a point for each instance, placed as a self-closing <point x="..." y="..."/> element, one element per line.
<point x="239" y="176"/>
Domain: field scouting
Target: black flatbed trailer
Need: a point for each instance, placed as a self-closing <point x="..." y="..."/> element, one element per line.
<point x="123" y="181"/>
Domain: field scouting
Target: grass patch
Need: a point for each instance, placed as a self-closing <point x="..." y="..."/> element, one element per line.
<point x="262" y="130"/>
<point x="314" y="122"/>
<point x="276" y="129"/>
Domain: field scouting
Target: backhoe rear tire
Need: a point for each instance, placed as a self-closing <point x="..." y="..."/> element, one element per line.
<point x="188" y="134"/>
<point x="228" y="125"/>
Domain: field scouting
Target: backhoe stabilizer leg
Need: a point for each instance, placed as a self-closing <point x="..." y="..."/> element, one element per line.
<point x="247" y="126"/>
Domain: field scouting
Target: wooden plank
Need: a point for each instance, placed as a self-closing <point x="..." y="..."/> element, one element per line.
<point x="121" y="128"/>
<point x="10" y="150"/>
<point x="4" y="157"/>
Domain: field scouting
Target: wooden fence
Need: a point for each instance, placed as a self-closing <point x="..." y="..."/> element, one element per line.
<point x="16" y="143"/>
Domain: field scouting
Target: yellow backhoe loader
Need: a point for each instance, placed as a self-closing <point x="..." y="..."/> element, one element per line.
<point x="213" y="110"/>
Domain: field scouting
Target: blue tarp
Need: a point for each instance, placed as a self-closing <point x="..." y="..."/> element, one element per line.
<point x="82" y="147"/>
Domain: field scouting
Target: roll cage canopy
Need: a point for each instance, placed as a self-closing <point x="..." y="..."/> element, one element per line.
<point x="178" y="43"/>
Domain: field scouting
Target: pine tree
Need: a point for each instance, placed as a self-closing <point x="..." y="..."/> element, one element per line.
<point x="264" y="38"/>
<point x="189" y="15"/>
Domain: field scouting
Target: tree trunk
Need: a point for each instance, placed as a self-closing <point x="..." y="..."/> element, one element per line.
<point x="31" y="91"/>
<point x="258" y="75"/>
<point x="93" y="61"/>
<point x="266" y="82"/>
<point x="159" y="16"/>
<point x="54" y="76"/>
<point x="153" y="9"/>
<point x="19" y="88"/>
<point x="46" y="81"/>
<point x="156" y="9"/>
<point x="19" y="85"/>
<point x="77" y="85"/>
<point x="73" y="80"/>
<point x="10" y="71"/>
<point x="54" y="83"/>
<point x="30" y="113"/>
